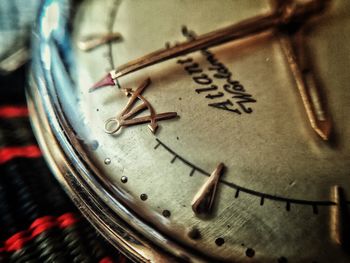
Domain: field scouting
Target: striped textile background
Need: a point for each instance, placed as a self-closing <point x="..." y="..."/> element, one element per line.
<point x="38" y="223"/>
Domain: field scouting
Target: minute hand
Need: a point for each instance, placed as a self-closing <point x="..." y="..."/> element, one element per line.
<point x="236" y="31"/>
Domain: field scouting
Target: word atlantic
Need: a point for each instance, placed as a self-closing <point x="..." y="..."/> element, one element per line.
<point x="239" y="100"/>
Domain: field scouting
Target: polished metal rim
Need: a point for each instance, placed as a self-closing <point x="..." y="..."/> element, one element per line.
<point x="93" y="195"/>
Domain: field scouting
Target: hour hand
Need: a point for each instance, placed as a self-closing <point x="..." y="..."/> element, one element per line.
<point x="309" y="90"/>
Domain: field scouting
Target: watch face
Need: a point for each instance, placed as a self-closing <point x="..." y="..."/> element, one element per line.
<point x="225" y="136"/>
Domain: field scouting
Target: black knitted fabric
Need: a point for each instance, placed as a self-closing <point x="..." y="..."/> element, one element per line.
<point x="38" y="222"/>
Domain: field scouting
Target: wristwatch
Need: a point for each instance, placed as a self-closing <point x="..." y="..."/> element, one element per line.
<point x="200" y="131"/>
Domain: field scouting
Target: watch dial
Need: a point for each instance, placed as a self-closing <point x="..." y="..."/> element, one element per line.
<point x="214" y="148"/>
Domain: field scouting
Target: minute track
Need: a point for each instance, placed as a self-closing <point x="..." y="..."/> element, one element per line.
<point x="263" y="196"/>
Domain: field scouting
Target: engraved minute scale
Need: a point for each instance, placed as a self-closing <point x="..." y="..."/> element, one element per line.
<point x="289" y="12"/>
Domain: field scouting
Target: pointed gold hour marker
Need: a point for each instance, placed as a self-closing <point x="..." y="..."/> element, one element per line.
<point x="203" y="200"/>
<point x="127" y="116"/>
<point x="339" y="218"/>
<point x="308" y="89"/>
<point x="91" y="42"/>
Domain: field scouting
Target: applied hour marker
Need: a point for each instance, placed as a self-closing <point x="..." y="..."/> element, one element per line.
<point x="127" y="116"/>
<point x="203" y="200"/>
<point x="91" y="42"/>
<point x="339" y="218"/>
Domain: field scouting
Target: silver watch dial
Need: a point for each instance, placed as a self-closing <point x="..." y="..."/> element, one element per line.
<point x="238" y="150"/>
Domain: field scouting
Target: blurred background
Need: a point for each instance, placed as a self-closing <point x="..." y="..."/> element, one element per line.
<point x="38" y="222"/>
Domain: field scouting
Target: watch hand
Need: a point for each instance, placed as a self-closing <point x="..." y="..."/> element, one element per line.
<point x="236" y="31"/>
<point x="308" y="89"/>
